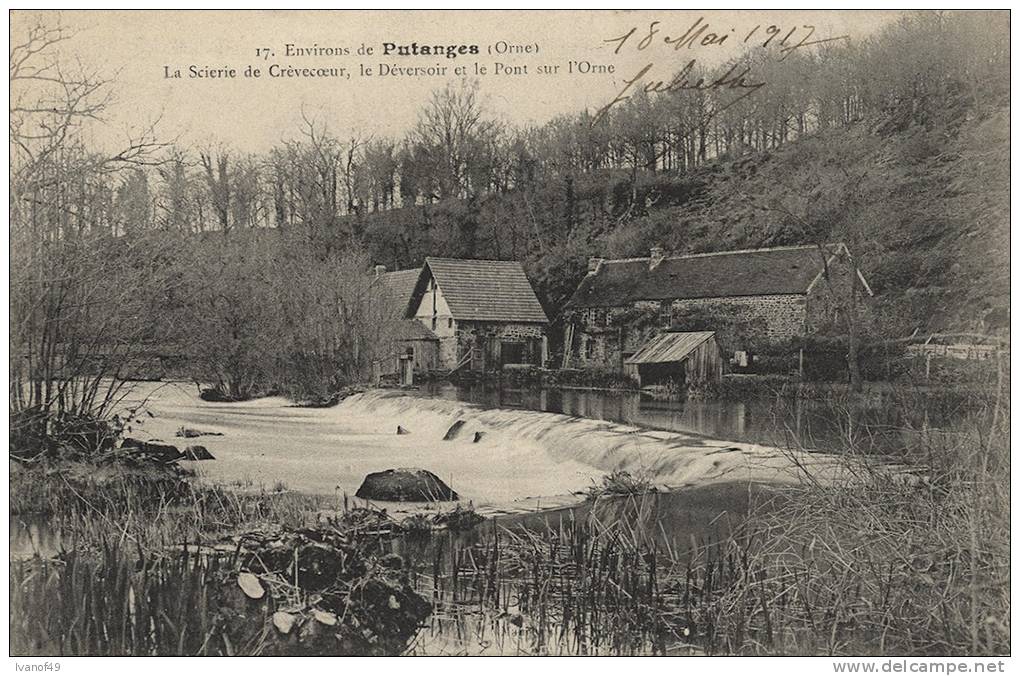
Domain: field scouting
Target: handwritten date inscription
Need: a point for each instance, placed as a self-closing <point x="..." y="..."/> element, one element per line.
<point x="701" y="34"/>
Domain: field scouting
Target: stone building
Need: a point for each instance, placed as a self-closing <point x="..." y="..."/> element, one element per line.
<point x="484" y="313"/>
<point x="747" y="297"/>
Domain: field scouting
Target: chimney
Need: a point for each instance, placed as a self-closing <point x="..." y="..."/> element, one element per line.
<point x="658" y="254"/>
<point x="594" y="263"/>
<point x="379" y="270"/>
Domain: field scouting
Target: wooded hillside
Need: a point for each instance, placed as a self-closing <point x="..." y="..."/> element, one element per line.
<point x="914" y="178"/>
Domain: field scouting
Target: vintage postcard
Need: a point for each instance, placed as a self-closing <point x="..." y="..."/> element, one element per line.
<point x="556" y="333"/>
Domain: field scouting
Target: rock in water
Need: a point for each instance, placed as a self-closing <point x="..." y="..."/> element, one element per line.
<point x="197" y="452"/>
<point x="189" y="433"/>
<point x="405" y="485"/>
<point x="453" y="431"/>
<point x="152" y="449"/>
<point x="478" y="437"/>
<point x="401" y="430"/>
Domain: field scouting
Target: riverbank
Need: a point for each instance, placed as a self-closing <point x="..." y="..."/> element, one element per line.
<point x="773" y="552"/>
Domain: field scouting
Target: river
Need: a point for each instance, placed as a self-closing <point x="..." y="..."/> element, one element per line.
<point x="879" y="423"/>
<point x="505" y="458"/>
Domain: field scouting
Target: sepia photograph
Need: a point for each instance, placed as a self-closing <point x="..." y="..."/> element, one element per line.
<point x="510" y="333"/>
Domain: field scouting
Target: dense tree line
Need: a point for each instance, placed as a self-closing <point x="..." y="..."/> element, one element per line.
<point x="159" y="241"/>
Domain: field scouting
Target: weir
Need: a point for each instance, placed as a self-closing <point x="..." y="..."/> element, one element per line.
<point x="670" y="459"/>
<point x="498" y="457"/>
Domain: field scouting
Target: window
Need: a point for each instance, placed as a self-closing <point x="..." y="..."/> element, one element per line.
<point x="609" y="317"/>
<point x="511" y="352"/>
<point x="433" y="323"/>
<point x="665" y="313"/>
<point x="449" y="323"/>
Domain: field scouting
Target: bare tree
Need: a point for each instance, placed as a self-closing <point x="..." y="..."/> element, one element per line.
<point x="450" y="131"/>
<point x="77" y="291"/>
<point x="216" y="164"/>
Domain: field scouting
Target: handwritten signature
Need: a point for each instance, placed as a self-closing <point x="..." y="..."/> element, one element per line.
<point x="730" y="80"/>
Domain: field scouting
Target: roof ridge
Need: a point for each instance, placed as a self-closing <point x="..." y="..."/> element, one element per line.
<point x="790" y="247"/>
<point x="625" y="260"/>
<point x="470" y="260"/>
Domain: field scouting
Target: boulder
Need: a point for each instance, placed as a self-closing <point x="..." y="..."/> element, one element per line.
<point x="405" y="485"/>
<point x="401" y="430"/>
<point x="477" y="437"/>
<point x="197" y="452"/>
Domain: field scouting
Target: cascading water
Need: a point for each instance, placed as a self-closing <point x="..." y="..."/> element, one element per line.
<point x="498" y="457"/>
<point x="669" y="458"/>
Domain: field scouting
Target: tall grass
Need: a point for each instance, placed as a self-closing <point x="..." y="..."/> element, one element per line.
<point x="903" y="554"/>
<point x="118" y="602"/>
<point x="912" y="558"/>
<point x="154" y="507"/>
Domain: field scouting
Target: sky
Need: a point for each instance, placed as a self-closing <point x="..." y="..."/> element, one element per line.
<point x="139" y="48"/>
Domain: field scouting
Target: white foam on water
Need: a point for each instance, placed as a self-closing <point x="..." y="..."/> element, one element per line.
<point x="521" y="454"/>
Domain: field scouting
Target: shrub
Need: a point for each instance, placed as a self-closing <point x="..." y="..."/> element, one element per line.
<point x="38" y="432"/>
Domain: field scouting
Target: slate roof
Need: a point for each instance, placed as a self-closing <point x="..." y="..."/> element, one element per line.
<point x="409" y="329"/>
<point x="782" y="270"/>
<point x="397" y="288"/>
<point x="669" y="347"/>
<point x="479" y="290"/>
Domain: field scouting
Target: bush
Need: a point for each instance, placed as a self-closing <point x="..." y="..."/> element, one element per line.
<point x="37" y="432"/>
<point x="825" y="358"/>
<point x="460" y="518"/>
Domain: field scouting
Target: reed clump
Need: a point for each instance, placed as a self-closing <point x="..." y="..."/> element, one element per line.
<point x="620" y="483"/>
<point x="271" y="592"/>
<point x="905" y="559"/>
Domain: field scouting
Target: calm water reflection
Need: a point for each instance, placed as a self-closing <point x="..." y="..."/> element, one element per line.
<point x="875" y="424"/>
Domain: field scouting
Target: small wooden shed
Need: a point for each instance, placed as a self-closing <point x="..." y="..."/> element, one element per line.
<point x="411" y="338"/>
<point x="684" y="357"/>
